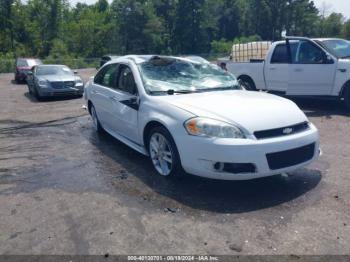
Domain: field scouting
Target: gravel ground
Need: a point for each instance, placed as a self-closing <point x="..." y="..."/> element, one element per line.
<point x="66" y="190"/>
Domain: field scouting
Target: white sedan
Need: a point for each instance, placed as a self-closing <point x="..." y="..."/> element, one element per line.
<point x="190" y="116"/>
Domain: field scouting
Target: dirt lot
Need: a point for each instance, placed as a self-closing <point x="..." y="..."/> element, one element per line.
<point x="66" y="190"/>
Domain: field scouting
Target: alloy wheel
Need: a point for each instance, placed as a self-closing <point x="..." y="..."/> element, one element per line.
<point x="161" y="154"/>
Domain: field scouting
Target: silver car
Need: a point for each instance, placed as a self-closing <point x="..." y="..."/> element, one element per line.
<point x="54" y="80"/>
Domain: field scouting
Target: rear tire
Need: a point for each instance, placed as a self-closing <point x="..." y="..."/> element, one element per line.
<point x="163" y="153"/>
<point x="248" y="83"/>
<point x="347" y="98"/>
<point x="95" y="121"/>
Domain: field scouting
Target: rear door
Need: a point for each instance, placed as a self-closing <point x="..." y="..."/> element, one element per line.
<point x="100" y="94"/>
<point x="277" y="69"/>
<point x="311" y="71"/>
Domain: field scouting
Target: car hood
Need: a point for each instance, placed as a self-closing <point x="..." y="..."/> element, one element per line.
<point x="252" y="111"/>
<point x="27" y="68"/>
<point x="57" y="78"/>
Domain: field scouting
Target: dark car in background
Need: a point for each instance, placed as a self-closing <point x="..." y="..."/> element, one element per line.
<point x="54" y="80"/>
<point x="107" y="58"/>
<point x="23" y="66"/>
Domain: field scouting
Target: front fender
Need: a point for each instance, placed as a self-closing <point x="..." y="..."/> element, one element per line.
<point x="169" y="116"/>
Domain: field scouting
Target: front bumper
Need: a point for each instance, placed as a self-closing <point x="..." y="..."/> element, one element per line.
<point x="21" y="76"/>
<point x="52" y="92"/>
<point x="199" y="155"/>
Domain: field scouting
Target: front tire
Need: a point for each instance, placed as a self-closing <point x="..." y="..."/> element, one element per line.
<point x="347" y="98"/>
<point x="163" y="153"/>
<point x="37" y="95"/>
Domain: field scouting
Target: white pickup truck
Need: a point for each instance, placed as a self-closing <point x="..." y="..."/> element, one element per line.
<point x="300" y="66"/>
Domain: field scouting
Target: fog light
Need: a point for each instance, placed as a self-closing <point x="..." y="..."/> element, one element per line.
<point x="218" y="166"/>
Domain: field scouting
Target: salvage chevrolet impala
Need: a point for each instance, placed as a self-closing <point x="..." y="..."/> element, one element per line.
<point x="189" y="115"/>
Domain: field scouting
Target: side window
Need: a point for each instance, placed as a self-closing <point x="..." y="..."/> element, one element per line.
<point x="309" y="54"/>
<point x="280" y="55"/>
<point x="126" y="81"/>
<point x="107" y="76"/>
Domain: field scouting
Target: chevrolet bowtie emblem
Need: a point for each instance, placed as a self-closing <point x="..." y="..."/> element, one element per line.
<point x="287" y="131"/>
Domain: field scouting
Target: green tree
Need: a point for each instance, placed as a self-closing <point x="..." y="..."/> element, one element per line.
<point x="346" y="30"/>
<point x="102" y="6"/>
<point x="189" y="31"/>
<point x="332" y="25"/>
<point x="6" y="26"/>
<point x="139" y="29"/>
<point x="56" y="29"/>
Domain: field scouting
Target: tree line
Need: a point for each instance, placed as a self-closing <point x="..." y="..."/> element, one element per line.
<point x="54" y="28"/>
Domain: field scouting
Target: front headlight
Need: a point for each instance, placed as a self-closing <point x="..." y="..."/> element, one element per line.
<point x="79" y="82"/>
<point x="207" y="127"/>
<point x="43" y="83"/>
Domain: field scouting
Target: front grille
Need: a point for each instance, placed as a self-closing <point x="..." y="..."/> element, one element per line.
<point x="57" y="85"/>
<point x="283" y="131"/>
<point x="62" y="84"/>
<point x="69" y="93"/>
<point x="69" y="83"/>
<point x="236" y="168"/>
<point x="291" y="157"/>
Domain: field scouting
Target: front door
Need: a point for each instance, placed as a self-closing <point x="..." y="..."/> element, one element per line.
<point x="125" y="105"/>
<point x="311" y="71"/>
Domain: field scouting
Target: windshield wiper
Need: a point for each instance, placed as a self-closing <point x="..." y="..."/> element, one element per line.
<point x="348" y="56"/>
<point x="172" y="92"/>
<point x="219" y="89"/>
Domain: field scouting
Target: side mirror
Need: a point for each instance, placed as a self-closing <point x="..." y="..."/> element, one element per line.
<point x="30" y="73"/>
<point x="284" y="34"/>
<point x="328" y="59"/>
<point x="134" y="102"/>
<point x="75" y="72"/>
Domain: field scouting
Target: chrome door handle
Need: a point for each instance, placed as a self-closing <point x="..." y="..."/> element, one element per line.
<point x="273" y="68"/>
<point x="94" y="92"/>
<point x="298" y="70"/>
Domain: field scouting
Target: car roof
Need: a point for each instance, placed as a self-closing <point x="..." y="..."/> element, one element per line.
<point x="326" y="39"/>
<point x="32" y="58"/>
<point x="111" y="56"/>
<point x="314" y="39"/>
<point x="138" y="59"/>
<point x="46" y="65"/>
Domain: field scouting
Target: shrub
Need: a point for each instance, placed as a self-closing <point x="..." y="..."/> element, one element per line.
<point x="223" y="47"/>
<point x="6" y="63"/>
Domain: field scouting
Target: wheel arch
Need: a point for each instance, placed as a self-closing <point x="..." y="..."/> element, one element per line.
<point x="245" y="77"/>
<point x="344" y="87"/>
<point x="89" y="106"/>
<point x="148" y="128"/>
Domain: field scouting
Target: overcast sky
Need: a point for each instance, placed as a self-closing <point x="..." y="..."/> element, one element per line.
<point x="340" y="6"/>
